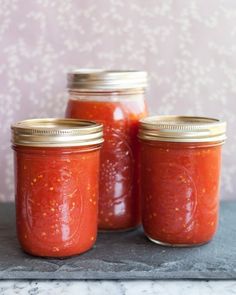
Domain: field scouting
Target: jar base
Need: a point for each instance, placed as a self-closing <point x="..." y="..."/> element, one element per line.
<point x="55" y="257"/>
<point x="176" y="245"/>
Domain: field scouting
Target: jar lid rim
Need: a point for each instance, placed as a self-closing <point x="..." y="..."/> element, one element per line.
<point x="56" y="132"/>
<point x="106" y="80"/>
<point x="182" y="129"/>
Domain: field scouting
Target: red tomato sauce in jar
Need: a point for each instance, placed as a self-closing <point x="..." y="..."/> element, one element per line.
<point x="119" y="198"/>
<point x="119" y="206"/>
<point x="56" y="195"/>
<point x="180" y="181"/>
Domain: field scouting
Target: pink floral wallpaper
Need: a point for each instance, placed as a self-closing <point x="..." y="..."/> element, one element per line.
<point x="188" y="48"/>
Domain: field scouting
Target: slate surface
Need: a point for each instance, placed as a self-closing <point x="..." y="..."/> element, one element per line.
<point x="125" y="256"/>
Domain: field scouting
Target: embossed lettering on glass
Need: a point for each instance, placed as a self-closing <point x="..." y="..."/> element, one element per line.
<point x="116" y="99"/>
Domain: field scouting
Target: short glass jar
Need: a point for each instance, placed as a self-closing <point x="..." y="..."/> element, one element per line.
<point x="116" y="99"/>
<point x="180" y="178"/>
<point x="56" y="181"/>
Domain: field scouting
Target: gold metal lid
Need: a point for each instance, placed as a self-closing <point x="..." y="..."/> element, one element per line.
<point x="50" y="132"/>
<point x="182" y="129"/>
<point x="91" y="80"/>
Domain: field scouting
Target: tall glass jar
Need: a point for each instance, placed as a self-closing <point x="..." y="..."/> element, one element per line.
<point x="180" y="178"/>
<point x="56" y="176"/>
<point x="116" y="99"/>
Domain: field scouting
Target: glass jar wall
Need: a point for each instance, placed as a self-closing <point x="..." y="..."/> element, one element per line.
<point x="115" y="99"/>
<point x="180" y="178"/>
<point x="56" y="173"/>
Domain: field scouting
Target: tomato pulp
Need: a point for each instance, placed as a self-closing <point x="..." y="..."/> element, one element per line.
<point x="56" y="199"/>
<point x="180" y="188"/>
<point x="119" y="198"/>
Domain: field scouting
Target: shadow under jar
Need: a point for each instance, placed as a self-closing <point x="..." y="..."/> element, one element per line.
<point x="180" y="176"/>
<point x="56" y="181"/>
<point x="116" y="99"/>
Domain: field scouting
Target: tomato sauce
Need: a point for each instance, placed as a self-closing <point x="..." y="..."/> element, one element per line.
<point x="56" y="200"/>
<point x="180" y="188"/>
<point x="56" y="181"/>
<point x="119" y="198"/>
<point x="180" y="178"/>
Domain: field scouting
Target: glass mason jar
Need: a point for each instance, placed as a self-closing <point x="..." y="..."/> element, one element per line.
<point x="116" y="99"/>
<point x="56" y="181"/>
<point x="180" y="178"/>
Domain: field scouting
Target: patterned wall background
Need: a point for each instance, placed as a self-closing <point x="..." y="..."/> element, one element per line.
<point x="187" y="46"/>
